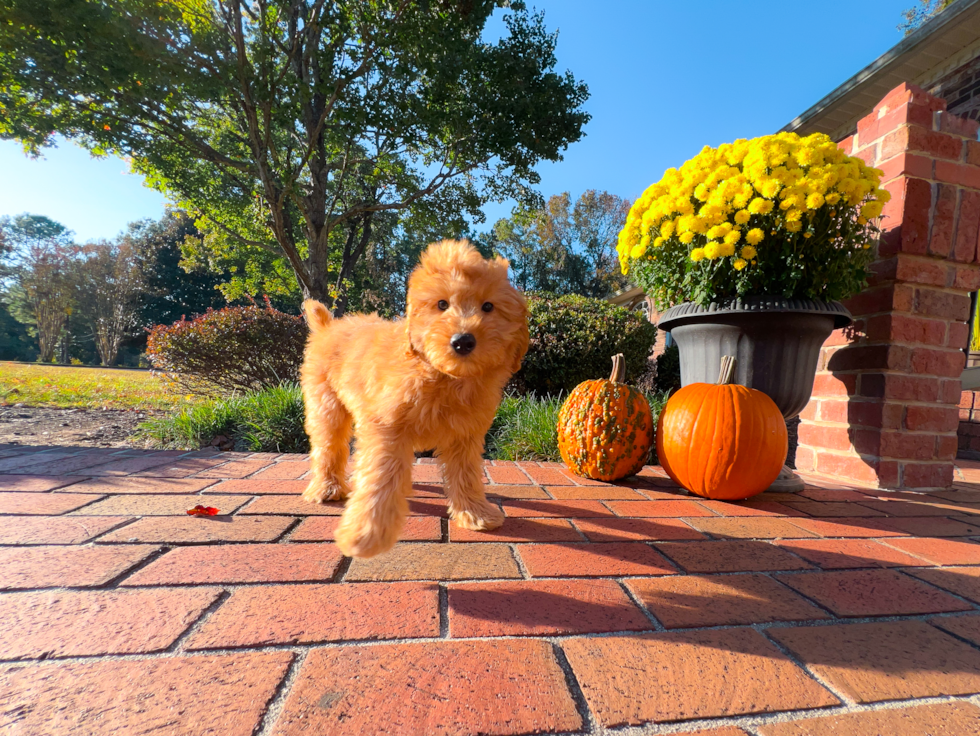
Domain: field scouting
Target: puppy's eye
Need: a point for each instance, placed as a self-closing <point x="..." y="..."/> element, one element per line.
<point x="487" y="307"/>
<point x="443" y="305"/>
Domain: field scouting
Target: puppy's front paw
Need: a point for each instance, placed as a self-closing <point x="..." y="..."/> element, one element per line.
<point x="364" y="539"/>
<point x="323" y="491"/>
<point x="481" y="519"/>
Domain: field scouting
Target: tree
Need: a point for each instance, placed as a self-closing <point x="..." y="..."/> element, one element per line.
<point x="109" y="286"/>
<point x="43" y="274"/>
<point x="919" y="14"/>
<point x="290" y="125"/>
<point x="566" y="249"/>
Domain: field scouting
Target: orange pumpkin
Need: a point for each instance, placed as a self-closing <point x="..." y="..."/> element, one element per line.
<point x="722" y="441"/>
<point x="605" y="428"/>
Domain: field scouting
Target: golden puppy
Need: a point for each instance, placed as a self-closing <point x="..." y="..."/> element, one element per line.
<point x="431" y="380"/>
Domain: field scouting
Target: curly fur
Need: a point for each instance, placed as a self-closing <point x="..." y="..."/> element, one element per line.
<point x="405" y="388"/>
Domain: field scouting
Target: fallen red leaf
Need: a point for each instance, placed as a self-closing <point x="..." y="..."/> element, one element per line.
<point x="202" y="511"/>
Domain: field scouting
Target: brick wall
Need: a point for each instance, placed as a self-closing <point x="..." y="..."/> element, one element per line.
<point x="961" y="90"/>
<point x="885" y="400"/>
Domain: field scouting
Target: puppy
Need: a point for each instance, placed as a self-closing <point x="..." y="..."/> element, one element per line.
<point x="431" y="380"/>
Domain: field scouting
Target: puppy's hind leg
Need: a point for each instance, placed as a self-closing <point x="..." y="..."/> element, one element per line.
<point x="462" y="468"/>
<point x="377" y="508"/>
<point x="328" y="424"/>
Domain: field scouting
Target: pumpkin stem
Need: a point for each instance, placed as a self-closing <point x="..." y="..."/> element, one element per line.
<point x="619" y="369"/>
<point x="727" y="373"/>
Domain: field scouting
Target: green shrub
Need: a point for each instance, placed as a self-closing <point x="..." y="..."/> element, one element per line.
<point x="230" y="350"/>
<point x="525" y="428"/>
<point x="668" y="371"/>
<point x="270" y="420"/>
<point x="573" y="339"/>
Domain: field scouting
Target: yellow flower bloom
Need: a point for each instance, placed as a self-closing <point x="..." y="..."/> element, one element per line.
<point x="727" y="249"/>
<point x="794" y="226"/>
<point x="658" y="242"/>
<point x="748" y="252"/>
<point x="738" y="264"/>
<point x="742" y="216"/>
<point x="733" y="237"/>
<point x="712" y="250"/>
<point x="794" y="215"/>
<point x="760" y="206"/>
<point x="687" y="238"/>
<point x="814" y="201"/>
<point x="697" y="254"/>
<point x="754" y="236"/>
<point x="667" y="229"/>
<point x="638" y="251"/>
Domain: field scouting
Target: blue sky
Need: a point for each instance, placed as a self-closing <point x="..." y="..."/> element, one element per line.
<point x="666" y="78"/>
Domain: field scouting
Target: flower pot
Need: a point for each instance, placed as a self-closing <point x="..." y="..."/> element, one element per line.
<point x="775" y="341"/>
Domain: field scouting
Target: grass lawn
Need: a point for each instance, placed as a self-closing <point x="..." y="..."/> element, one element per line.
<point x="72" y="387"/>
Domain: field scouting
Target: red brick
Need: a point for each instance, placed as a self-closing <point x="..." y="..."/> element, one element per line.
<point x="555" y="509"/>
<point x="831" y="509"/>
<point x="927" y="475"/>
<point x="956" y="173"/>
<point x="424" y="561"/>
<point x="515" y="491"/>
<point x="749" y="528"/>
<point x="827" y="384"/>
<point x="42" y="625"/>
<point x="963" y="127"/>
<point x="867" y="357"/>
<point x="19" y="462"/>
<point x="907" y="445"/>
<point x="621" y="530"/>
<point x="322" y="529"/>
<point x="966" y="278"/>
<point x="547" y="476"/>
<point x="909" y="388"/>
<point x="661" y="509"/>
<point x="235" y="468"/>
<point x="944" y="304"/>
<point x="820" y="435"/>
<point x="596" y="493"/>
<point x="58" y="464"/>
<point x="428" y="689"/>
<point x="158" y="505"/>
<point x="288" y="505"/>
<point x="140" y="697"/>
<point x="122" y="485"/>
<point x="906" y="164"/>
<point x="253" y="487"/>
<point x="202" y="529"/>
<point x="284" y="470"/>
<point x="734" y="556"/>
<point x="943" y="718"/>
<point x="863" y="593"/>
<point x="614" y="559"/>
<point x="519" y="530"/>
<point x="916" y="138"/>
<point x="57" y="529"/>
<point x="752" y="507"/>
<point x="128" y="465"/>
<point x="847" y="527"/>
<point x="721" y="600"/>
<point x="938" y="362"/>
<point x="507" y="475"/>
<point x="831" y="554"/>
<point x="43" y="504"/>
<point x="940" y="551"/>
<point x="832" y="495"/>
<point x="699" y="674"/>
<point x="965" y="627"/>
<point x="427" y="473"/>
<point x="182" y="468"/>
<point x="846" y="466"/>
<point x="964" y="581"/>
<point x="35" y="483"/>
<point x="906" y="329"/>
<point x="541" y="607"/>
<point x="967" y="227"/>
<point x="307" y="614"/>
<point x="67" y="567"/>
<point x="885" y="661"/>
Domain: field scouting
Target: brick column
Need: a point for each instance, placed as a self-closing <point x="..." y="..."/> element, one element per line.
<point x="885" y="400"/>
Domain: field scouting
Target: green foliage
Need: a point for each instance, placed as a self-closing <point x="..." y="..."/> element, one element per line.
<point x="229" y="350"/>
<point x="915" y="16"/>
<point x="289" y="125"/>
<point x="525" y="428"/>
<point x="565" y="249"/>
<point x="573" y="339"/>
<point x="270" y="420"/>
<point x="15" y="342"/>
<point x="669" y="369"/>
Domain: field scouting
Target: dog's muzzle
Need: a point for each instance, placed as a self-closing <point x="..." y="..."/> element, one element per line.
<point x="463" y="344"/>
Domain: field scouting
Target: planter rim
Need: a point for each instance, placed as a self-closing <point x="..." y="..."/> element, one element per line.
<point x="688" y="312"/>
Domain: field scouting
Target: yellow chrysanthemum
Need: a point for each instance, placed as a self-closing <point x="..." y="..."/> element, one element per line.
<point x="638" y="251"/>
<point x="742" y="216"/>
<point x="727" y="249"/>
<point x="871" y="210"/>
<point x="760" y="206"/>
<point x="712" y="250"/>
<point x="658" y="242"/>
<point x="754" y="236"/>
<point x="814" y="201"/>
<point x="733" y="237"/>
<point x="697" y="254"/>
<point x="687" y="238"/>
<point x="738" y="264"/>
<point x="748" y="253"/>
<point x="794" y="226"/>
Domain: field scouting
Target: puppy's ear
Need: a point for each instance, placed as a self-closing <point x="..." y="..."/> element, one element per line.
<point x="519" y="346"/>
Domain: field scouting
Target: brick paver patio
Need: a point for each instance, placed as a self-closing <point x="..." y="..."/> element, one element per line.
<point x="627" y="608"/>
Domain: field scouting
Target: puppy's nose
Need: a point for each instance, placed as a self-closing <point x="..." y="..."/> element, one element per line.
<point x="463" y="344"/>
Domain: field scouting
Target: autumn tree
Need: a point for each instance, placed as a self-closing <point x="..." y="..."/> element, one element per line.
<point x="919" y="13"/>
<point x="43" y="276"/>
<point x="566" y="248"/>
<point x="290" y="126"/>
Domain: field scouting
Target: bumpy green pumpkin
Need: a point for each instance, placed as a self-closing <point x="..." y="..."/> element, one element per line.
<point x="605" y="428"/>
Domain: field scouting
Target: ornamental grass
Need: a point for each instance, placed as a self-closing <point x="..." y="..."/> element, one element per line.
<point x="778" y="215"/>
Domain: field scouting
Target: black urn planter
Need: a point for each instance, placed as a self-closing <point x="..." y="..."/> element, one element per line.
<point x="776" y="343"/>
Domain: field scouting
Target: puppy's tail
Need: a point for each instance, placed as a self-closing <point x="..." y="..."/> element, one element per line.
<point x="318" y="317"/>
